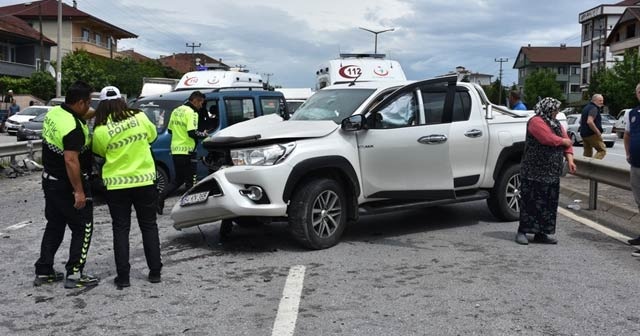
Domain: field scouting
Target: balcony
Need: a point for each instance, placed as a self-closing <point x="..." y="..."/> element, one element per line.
<point x="93" y="47"/>
<point x="16" y="69"/>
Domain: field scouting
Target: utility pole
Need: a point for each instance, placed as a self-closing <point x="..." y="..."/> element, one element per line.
<point x="193" y="47"/>
<point x="375" y="45"/>
<point x="500" y="60"/>
<point x="41" y="67"/>
<point x="268" y="75"/>
<point x="59" y="53"/>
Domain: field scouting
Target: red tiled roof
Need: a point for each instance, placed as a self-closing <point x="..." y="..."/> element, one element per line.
<point x="628" y="3"/>
<point x="185" y="62"/>
<point x="552" y="54"/>
<point x="31" y="11"/>
<point x="134" y="55"/>
<point x="14" y="26"/>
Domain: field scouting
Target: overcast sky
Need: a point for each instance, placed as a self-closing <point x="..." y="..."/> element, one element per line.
<point x="291" y="38"/>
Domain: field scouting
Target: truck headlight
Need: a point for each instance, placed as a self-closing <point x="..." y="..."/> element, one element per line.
<point x="261" y="156"/>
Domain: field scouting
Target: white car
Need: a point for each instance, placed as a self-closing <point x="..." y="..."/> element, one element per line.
<point x="15" y="121"/>
<point x="573" y="130"/>
<point x="362" y="148"/>
<point x="620" y="124"/>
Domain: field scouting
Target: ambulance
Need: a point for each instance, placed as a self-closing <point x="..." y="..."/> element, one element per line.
<point x="360" y="68"/>
<point x="215" y="79"/>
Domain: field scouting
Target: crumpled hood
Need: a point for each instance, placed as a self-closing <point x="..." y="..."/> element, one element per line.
<point x="273" y="127"/>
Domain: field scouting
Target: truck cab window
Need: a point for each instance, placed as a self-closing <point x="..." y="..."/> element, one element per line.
<point x="401" y="112"/>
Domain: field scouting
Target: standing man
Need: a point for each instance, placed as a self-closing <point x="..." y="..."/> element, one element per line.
<point x="13" y="108"/>
<point x="122" y="136"/>
<point x="591" y="128"/>
<point x="632" y="149"/>
<point x="515" y="102"/>
<point x="66" y="157"/>
<point x="183" y="126"/>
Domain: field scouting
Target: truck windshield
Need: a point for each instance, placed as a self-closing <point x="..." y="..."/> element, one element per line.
<point x="332" y="104"/>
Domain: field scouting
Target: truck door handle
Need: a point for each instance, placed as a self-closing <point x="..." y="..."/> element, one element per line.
<point x="433" y="139"/>
<point x="474" y="133"/>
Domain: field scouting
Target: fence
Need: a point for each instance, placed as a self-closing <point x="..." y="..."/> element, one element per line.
<point x="597" y="171"/>
<point x="27" y="148"/>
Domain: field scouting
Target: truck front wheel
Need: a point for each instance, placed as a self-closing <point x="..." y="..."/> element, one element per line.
<point x="318" y="213"/>
<point x="504" y="201"/>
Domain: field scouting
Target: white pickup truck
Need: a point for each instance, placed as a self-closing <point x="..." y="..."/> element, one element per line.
<point x="362" y="148"/>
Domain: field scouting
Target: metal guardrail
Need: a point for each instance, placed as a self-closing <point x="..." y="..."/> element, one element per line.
<point x="20" y="148"/>
<point x="597" y="171"/>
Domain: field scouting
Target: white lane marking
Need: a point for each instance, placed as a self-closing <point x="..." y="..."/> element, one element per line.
<point x="285" y="323"/>
<point x="613" y="234"/>
<point x="19" y="225"/>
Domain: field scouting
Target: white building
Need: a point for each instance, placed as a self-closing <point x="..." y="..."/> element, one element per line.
<point x="474" y="77"/>
<point x="597" y="24"/>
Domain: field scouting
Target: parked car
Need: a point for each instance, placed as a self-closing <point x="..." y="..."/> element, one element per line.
<point x="573" y="130"/>
<point x="362" y="148"/>
<point x="620" y="123"/>
<point x="31" y="130"/>
<point x="231" y="106"/>
<point x="17" y="120"/>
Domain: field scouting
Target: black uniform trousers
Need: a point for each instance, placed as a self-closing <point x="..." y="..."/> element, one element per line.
<point x="143" y="200"/>
<point x="185" y="170"/>
<point x="59" y="212"/>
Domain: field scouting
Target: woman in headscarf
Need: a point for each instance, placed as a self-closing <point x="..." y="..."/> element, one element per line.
<point x="546" y="144"/>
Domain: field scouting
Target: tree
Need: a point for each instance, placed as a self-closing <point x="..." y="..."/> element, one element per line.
<point x="42" y="85"/>
<point x="541" y="83"/>
<point x="493" y="92"/>
<point x="618" y="84"/>
<point x="79" y="65"/>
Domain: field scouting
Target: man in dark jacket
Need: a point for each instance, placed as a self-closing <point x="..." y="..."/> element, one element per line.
<point x="591" y="128"/>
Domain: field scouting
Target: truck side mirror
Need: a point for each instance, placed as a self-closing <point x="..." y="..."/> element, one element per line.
<point x="353" y="123"/>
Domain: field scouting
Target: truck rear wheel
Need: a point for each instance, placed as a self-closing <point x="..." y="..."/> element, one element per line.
<point x="318" y="213"/>
<point x="504" y="201"/>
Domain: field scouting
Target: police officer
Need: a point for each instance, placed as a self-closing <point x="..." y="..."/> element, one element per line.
<point x="122" y="137"/>
<point x="66" y="157"/>
<point x="183" y="126"/>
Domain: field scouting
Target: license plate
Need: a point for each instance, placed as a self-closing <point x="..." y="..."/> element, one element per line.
<point x="196" y="198"/>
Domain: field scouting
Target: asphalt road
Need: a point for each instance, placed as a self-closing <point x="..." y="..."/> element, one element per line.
<point x="448" y="270"/>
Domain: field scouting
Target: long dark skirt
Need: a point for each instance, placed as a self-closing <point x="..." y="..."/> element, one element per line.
<point x="538" y="206"/>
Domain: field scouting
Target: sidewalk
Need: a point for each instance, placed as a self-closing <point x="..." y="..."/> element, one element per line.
<point x="616" y="207"/>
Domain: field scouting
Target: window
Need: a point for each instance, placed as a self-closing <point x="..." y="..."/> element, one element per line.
<point x="271" y="105"/>
<point x="85" y="35"/>
<point x="562" y="70"/>
<point x="585" y="75"/>
<point x="7" y="52"/>
<point x="98" y="39"/>
<point x="461" y="106"/>
<point x="401" y="112"/>
<point x="586" y="31"/>
<point x="575" y="70"/>
<point x="575" y="88"/>
<point x="585" y="54"/>
<point x="239" y="109"/>
<point x="158" y="111"/>
<point x="597" y="52"/>
<point x="332" y="104"/>
<point x="46" y="64"/>
<point x="631" y="30"/>
<point x="434" y="106"/>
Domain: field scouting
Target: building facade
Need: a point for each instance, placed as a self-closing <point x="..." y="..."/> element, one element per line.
<point x="625" y="35"/>
<point x="473" y="77"/>
<point x="22" y="48"/>
<point x="597" y="24"/>
<point x="563" y="61"/>
<point x="80" y="31"/>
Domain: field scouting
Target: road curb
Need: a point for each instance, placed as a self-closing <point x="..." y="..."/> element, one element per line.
<point x="622" y="216"/>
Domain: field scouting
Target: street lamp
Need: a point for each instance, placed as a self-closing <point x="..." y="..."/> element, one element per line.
<point x="375" y="50"/>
